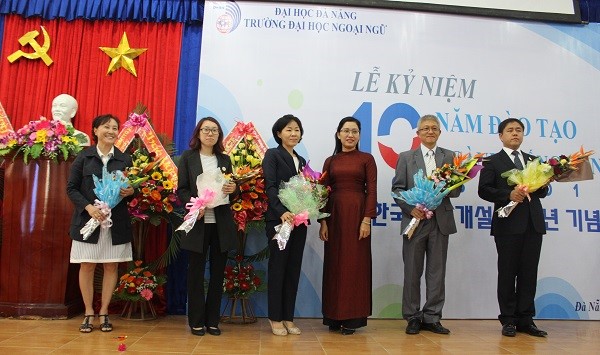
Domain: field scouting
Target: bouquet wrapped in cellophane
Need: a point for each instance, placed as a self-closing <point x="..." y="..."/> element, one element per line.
<point x="426" y="195"/>
<point x="534" y="176"/>
<point x="538" y="174"/>
<point x="209" y="185"/>
<point x="304" y="196"/>
<point x="574" y="167"/>
<point x="108" y="190"/>
<point x="463" y="169"/>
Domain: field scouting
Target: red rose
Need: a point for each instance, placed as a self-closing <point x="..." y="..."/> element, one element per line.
<point x="256" y="281"/>
<point x="244" y="286"/>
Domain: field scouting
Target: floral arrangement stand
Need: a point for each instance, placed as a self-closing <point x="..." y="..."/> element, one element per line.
<point x="238" y="310"/>
<point x="138" y="310"/>
<point x="246" y="149"/>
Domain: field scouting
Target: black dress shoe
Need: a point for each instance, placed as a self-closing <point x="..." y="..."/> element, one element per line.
<point x="436" y="327"/>
<point x="213" y="330"/>
<point x="532" y="330"/>
<point x="414" y="326"/>
<point x="348" y="331"/>
<point x="334" y="328"/>
<point x="199" y="332"/>
<point x="509" y="330"/>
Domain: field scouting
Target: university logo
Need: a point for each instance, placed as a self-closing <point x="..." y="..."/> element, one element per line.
<point x="230" y="17"/>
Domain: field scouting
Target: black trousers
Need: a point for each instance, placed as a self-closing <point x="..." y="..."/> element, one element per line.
<point x="284" y="273"/>
<point x="518" y="258"/>
<point x="203" y="312"/>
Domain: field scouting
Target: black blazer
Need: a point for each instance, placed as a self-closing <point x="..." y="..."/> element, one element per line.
<point x="80" y="189"/>
<point x="189" y="167"/>
<point x="278" y="166"/>
<point x="494" y="188"/>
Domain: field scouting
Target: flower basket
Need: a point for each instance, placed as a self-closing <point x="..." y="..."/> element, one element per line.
<point x="137" y="287"/>
<point x="46" y="139"/>
<point x="240" y="281"/>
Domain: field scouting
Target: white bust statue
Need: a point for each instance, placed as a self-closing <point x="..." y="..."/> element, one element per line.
<point x="64" y="107"/>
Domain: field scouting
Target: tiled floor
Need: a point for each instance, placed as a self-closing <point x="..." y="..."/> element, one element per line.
<point x="170" y="335"/>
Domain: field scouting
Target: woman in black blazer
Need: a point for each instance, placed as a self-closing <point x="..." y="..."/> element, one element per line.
<point x="214" y="230"/>
<point x="107" y="246"/>
<point x="279" y="165"/>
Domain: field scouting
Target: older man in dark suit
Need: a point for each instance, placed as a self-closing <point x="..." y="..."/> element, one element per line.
<point x="518" y="237"/>
<point x="431" y="236"/>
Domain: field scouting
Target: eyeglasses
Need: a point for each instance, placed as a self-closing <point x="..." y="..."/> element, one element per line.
<point x="355" y="132"/>
<point x="207" y="130"/>
<point x="429" y="129"/>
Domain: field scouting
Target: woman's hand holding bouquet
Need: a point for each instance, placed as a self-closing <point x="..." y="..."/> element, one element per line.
<point x="211" y="186"/>
<point x="303" y="195"/>
<point x="110" y="190"/>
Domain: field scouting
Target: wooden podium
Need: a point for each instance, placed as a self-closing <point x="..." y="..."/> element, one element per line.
<point x="36" y="278"/>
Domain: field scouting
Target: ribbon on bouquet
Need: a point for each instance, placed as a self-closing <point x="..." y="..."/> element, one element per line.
<point x="414" y="223"/>
<point x="284" y="230"/>
<point x="301" y="218"/>
<point x="194" y="207"/>
<point x="92" y="224"/>
<point x="138" y="124"/>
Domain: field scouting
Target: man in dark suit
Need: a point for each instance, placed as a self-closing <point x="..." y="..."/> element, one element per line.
<point x="431" y="236"/>
<point x="518" y="237"/>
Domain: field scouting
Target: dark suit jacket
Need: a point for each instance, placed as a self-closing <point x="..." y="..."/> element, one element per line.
<point x="408" y="165"/>
<point x="278" y="166"/>
<point x="190" y="166"/>
<point x="80" y="189"/>
<point x="495" y="189"/>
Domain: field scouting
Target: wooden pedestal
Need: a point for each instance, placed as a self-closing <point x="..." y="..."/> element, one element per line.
<point x="36" y="279"/>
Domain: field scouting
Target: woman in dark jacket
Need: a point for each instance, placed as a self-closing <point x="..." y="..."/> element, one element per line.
<point x="279" y="165"/>
<point x="214" y="230"/>
<point x="107" y="246"/>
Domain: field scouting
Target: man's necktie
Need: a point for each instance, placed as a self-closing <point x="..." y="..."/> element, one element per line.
<point x="430" y="162"/>
<point x="516" y="160"/>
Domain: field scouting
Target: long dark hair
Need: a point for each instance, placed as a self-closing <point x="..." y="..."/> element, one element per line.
<point x="195" y="143"/>
<point x="338" y="142"/>
<point x="99" y="121"/>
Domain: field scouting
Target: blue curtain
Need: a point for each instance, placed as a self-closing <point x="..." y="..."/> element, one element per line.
<point x="187" y="87"/>
<point x="590" y="10"/>
<point x="185" y="121"/>
<point x="186" y="11"/>
<point x="155" y="10"/>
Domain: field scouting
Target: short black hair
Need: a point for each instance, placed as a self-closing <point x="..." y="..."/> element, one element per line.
<point x="100" y="120"/>
<point x="504" y="123"/>
<point x="283" y="121"/>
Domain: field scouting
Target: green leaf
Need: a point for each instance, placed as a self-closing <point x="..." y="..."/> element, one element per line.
<point x="36" y="150"/>
<point x="65" y="152"/>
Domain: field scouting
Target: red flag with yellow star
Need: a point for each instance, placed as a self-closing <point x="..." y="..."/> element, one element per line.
<point x="139" y="63"/>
